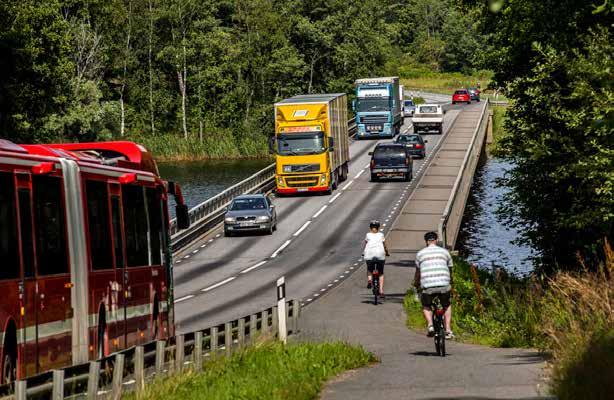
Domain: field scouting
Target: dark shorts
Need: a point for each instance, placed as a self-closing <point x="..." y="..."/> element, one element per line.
<point x="427" y="299"/>
<point x="373" y="264"/>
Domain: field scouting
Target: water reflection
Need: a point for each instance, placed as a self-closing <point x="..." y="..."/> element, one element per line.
<point x="201" y="180"/>
<point x="484" y="239"/>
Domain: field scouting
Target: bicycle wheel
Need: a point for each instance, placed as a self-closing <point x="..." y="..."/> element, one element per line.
<point x="441" y="332"/>
<point x="437" y="344"/>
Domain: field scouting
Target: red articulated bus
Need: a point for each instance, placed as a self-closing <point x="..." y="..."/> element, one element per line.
<point x="85" y="261"/>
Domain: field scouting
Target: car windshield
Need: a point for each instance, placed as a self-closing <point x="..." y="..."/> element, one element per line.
<point x="408" y="139"/>
<point x="408" y="103"/>
<point x="428" y="110"/>
<point x="388" y="152"/>
<point x="364" y="104"/>
<point x="300" y="143"/>
<point x="256" y="203"/>
<point x="460" y="92"/>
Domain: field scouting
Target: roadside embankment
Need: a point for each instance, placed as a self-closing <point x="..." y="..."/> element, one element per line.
<point x="221" y="145"/>
<point x="263" y="371"/>
<point x="570" y="316"/>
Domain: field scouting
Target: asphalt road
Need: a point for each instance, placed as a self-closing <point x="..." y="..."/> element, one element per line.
<point x="316" y="247"/>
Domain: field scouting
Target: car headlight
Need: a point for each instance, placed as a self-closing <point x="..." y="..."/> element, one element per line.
<point x="323" y="179"/>
<point x="262" y="218"/>
<point x="230" y="219"/>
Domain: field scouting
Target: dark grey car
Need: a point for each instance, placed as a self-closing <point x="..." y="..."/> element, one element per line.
<point x="416" y="146"/>
<point x="249" y="213"/>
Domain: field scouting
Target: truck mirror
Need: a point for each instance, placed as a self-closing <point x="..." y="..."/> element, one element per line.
<point x="370" y="153"/>
<point x="183" y="218"/>
<point x="272" y="145"/>
<point x="331" y="144"/>
<point x="354" y="105"/>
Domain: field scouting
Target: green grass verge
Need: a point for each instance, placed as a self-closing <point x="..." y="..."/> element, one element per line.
<point x="498" y="128"/>
<point x="222" y="145"/>
<point x="266" y="371"/>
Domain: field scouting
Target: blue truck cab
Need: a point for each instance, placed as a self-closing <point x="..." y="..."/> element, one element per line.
<point x="378" y="107"/>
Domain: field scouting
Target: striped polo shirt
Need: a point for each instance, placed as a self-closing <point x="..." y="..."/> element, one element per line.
<point x="434" y="263"/>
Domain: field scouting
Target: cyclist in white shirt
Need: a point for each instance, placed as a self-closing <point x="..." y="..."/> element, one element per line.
<point x="374" y="253"/>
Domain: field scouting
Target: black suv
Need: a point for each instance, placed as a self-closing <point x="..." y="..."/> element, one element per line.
<point x="390" y="160"/>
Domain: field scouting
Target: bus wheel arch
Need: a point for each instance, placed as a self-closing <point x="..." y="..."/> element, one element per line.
<point x="9" y="353"/>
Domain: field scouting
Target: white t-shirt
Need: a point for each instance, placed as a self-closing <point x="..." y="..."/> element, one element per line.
<point x="375" y="246"/>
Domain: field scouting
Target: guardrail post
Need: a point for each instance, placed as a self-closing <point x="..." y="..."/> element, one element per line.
<point x="241" y="335"/>
<point x="197" y="353"/>
<point x="215" y="341"/>
<point x="21" y="388"/>
<point x="160" y="356"/>
<point x="92" y="380"/>
<point x="57" y="393"/>
<point x="179" y="351"/>
<point x="274" y="320"/>
<point x="139" y="368"/>
<point x="253" y="327"/>
<point x="264" y="321"/>
<point x="118" y="377"/>
<point x="228" y="338"/>
<point x="296" y="312"/>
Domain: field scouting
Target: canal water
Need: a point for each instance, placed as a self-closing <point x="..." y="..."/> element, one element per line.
<point x="484" y="238"/>
<point x="201" y="180"/>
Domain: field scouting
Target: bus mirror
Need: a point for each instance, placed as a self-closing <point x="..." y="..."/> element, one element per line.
<point x="183" y="217"/>
<point x="331" y="144"/>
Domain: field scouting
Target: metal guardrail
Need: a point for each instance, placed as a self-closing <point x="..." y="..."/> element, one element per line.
<point x="443" y="222"/>
<point x="209" y="213"/>
<point x="132" y="368"/>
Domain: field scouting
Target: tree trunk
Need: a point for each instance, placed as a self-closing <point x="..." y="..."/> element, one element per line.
<point x="311" y="67"/>
<point x="122" y="124"/>
<point x="184" y="92"/>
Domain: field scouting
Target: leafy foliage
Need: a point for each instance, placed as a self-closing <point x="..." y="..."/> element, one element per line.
<point x="98" y="69"/>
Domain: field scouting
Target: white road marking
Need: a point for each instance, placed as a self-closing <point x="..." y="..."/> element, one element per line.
<point x="367" y="166"/>
<point x="320" y="211"/>
<point x="358" y="174"/>
<point x="309" y="299"/>
<point x="210" y="240"/>
<point x="347" y="272"/>
<point x="188" y="256"/>
<point x="218" y="235"/>
<point x="246" y="270"/>
<point x="330" y="284"/>
<point x="323" y="290"/>
<point x="305" y="225"/>
<point x="225" y="281"/>
<point x="184" y="298"/>
<point x="283" y="246"/>
<point x="341" y="276"/>
<point x="335" y="197"/>
<point x="316" y="294"/>
<point x="348" y="184"/>
<point x="203" y="246"/>
<point x="336" y="280"/>
<point x="195" y="251"/>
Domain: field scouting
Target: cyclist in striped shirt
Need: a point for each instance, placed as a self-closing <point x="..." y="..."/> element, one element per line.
<point x="434" y="276"/>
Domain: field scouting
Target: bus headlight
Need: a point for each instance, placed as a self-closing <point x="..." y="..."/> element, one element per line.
<point x="323" y="179"/>
<point x="280" y="181"/>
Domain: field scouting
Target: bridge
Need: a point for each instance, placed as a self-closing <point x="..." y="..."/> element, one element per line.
<point x="318" y="242"/>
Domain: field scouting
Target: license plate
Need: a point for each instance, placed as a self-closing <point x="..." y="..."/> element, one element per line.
<point x="411" y="146"/>
<point x="302" y="189"/>
<point x="374" y="127"/>
<point x="389" y="170"/>
<point x="246" y="223"/>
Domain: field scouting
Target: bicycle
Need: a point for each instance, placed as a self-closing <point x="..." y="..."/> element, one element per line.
<point x="375" y="285"/>
<point x="439" y="326"/>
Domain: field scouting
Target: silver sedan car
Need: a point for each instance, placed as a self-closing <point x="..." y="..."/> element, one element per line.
<point x="249" y="213"/>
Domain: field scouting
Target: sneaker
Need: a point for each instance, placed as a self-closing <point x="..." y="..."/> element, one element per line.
<point x="369" y="286"/>
<point x="449" y="335"/>
<point x="430" y="332"/>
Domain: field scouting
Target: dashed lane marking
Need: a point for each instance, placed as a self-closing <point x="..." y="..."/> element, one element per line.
<point x="253" y="267"/>
<point x="184" y="298"/>
<point x="335" y="197"/>
<point x="225" y="281"/>
<point x="320" y="211"/>
<point x="302" y="228"/>
<point x="358" y="174"/>
<point x="348" y="185"/>
<point x="281" y="248"/>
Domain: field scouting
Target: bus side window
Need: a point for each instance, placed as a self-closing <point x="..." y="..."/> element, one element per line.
<point x="50" y="225"/>
<point x="9" y="249"/>
<point x="118" y="242"/>
<point x="154" y="211"/>
<point x="27" y="244"/>
<point x="135" y="225"/>
<point x="98" y="225"/>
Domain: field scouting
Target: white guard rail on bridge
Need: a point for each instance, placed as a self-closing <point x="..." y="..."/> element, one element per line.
<point x="131" y="369"/>
<point x="451" y="219"/>
<point x="209" y="213"/>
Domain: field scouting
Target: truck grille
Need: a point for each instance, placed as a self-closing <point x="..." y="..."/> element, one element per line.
<point x="302" y="181"/>
<point x="374" y="119"/>
<point x="301" y="167"/>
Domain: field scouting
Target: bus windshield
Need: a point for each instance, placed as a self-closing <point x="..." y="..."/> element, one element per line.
<point x="300" y="143"/>
<point x="372" y="104"/>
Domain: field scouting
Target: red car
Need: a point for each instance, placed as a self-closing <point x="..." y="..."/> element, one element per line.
<point x="461" y="96"/>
